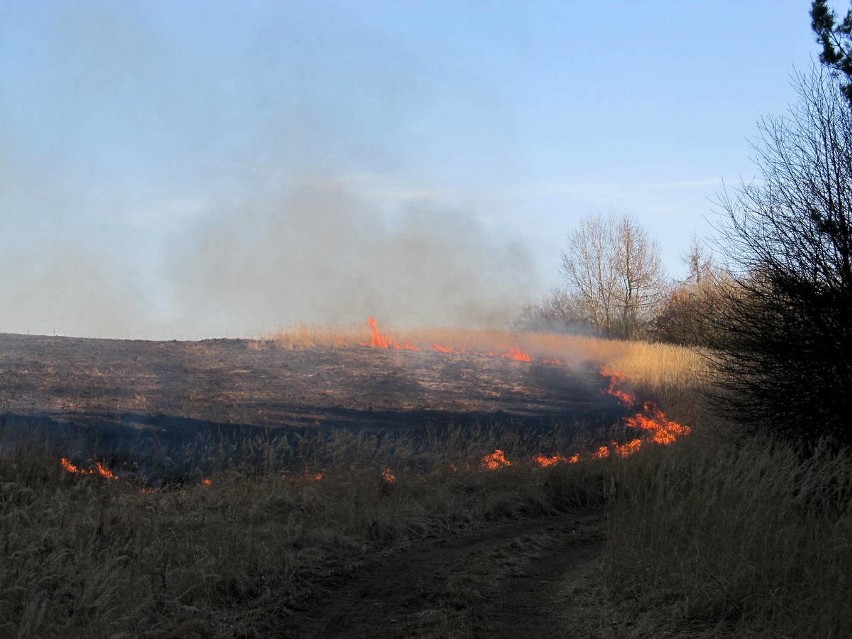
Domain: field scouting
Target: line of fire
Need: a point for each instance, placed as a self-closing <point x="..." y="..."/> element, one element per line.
<point x="646" y="420"/>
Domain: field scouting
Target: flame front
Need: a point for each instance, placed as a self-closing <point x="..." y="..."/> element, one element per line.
<point x="650" y="419"/>
<point x="99" y="469"/>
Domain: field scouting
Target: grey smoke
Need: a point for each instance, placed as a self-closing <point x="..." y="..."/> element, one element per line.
<point x="319" y="252"/>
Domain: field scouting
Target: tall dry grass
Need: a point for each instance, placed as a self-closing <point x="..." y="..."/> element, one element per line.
<point x="742" y="537"/>
<point x="85" y="556"/>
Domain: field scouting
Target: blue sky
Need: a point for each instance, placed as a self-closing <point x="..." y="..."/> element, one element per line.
<point x="193" y="169"/>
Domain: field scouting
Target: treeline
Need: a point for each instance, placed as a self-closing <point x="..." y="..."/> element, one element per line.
<point x="614" y="286"/>
<point x="776" y="321"/>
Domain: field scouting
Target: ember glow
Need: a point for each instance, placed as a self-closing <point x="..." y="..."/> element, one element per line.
<point x="388" y="477"/>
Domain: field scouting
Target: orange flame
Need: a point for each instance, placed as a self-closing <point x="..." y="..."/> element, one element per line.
<point x="378" y="340"/>
<point x="629" y="448"/>
<point x="663" y="430"/>
<point x="100" y="469"/>
<point x="545" y="462"/>
<point x="67" y="465"/>
<point x="616" y="378"/>
<point x="495" y="460"/>
<point x="651" y="418"/>
<point x="206" y="481"/>
<point x="601" y="453"/>
<point x="105" y="472"/>
<point x="517" y="354"/>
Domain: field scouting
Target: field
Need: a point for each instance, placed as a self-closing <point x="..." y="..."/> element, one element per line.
<point x="334" y="482"/>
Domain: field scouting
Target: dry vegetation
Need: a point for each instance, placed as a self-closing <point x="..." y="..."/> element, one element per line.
<point x="716" y="535"/>
<point x="97" y="558"/>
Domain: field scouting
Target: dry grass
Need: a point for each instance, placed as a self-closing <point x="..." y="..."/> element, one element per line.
<point x="744" y="538"/>
<point x="715" y="535"/>
<point x="84" y="556"/>
<point x="312" y="335"/>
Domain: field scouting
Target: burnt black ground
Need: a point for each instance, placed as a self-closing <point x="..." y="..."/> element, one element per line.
<point x="128" y="398"/>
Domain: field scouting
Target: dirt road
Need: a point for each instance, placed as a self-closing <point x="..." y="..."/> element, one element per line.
<point x="536" y="578"/>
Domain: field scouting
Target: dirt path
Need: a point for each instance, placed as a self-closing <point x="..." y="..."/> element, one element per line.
<point x="517" y="579"/>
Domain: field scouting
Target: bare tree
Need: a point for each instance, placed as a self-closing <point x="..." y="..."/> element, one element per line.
<point x="686" y="313"/>
<point x="700" y="264"/>
<point x="612" y="273"/>
<point x="785" y="351"/>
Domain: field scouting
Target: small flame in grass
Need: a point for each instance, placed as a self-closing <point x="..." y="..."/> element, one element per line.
<point x="616" y="379"/>
<point x="495" y="460"/>
<point x="663" y="430"/>
<point x="629" y="448"/>
<point x="601" y="453"/>
<point x="67" y="465"/>
<point x="105" y="472"/>
<point x="99" y="469"/>
<point x="147" y="491"/>
<point x="206" y="481"/>
<point x="443" y="349"/>
<point x="545" y="461"/>
<point x="388" y="477"/>
<point x="378" y="340"/>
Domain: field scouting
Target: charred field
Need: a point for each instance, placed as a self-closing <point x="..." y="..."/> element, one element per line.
<point x="145" y="405"/>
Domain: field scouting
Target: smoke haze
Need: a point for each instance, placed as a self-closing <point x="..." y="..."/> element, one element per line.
<point x="160" y="181"/>
<point x="320" y="253"/>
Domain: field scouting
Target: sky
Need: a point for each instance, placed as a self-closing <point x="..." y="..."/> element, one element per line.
<point x="176" y="169"/>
